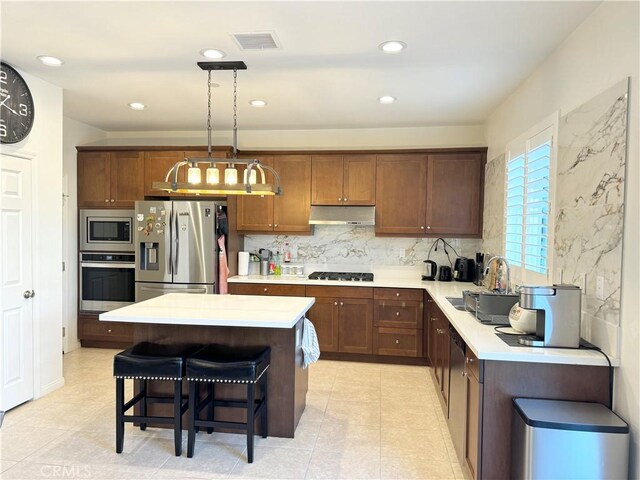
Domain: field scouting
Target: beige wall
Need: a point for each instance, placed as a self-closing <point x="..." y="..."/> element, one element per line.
<point x="602" y="51"/>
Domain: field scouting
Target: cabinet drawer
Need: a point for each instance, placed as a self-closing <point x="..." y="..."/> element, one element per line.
<point x="398" y="294"/>
<point x="264" y="289"/>
<point x="339" y="292"/>
<point x="90" y="328"/>
<point x="397" y="314"/>
<point x="401" y="342"/>
<point x="473" y="364"/>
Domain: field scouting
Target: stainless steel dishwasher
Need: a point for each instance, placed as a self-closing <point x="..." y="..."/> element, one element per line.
<point x="457" y="392"/>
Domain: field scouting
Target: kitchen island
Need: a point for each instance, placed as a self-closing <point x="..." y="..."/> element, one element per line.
<point x="234" y="320"/>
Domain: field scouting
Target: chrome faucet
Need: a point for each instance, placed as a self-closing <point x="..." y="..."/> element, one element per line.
<point x="498" y="258"/>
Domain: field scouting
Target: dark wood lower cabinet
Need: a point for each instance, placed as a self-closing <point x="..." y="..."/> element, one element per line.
<point x="355" y="319"/>
<point x="472" y="421"/>
<point x="324" y="316"/>
<point x="94" y="333"/>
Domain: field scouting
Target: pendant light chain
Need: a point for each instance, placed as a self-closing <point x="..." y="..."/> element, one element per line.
<point x="235" y="113"/>
<point x="209" y="127"/>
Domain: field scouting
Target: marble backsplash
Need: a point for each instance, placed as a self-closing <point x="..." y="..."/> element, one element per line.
<point x="358" y="246"/>
<point x="592" y="145"/>
<point x="493" y="217"/>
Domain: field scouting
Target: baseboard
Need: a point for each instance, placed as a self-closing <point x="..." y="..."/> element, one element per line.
<point x="73" y="346"/>
<point x="53" y="386"/>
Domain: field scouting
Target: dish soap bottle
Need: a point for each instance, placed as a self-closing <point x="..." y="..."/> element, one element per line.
<point x="278" y="267"/>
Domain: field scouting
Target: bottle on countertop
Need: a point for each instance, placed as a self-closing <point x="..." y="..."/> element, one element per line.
<point x="278" y="267"/>
<point x="287" y="253"/>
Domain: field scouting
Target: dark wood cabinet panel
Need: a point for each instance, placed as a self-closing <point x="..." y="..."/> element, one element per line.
<point x="324" y="316"/>
<point x="402" y="294"/>
<point x="395" y="314"/>
<point x="281" y="290"/>
<point x="327" y="179"/>
<point x="110" y="179"/>
<point x="94" y="189"/>
<point x="401" y="185"/>
<point x="341" y="292"/>
<point x="291" y="209"/>
<point x="359" y="184"/>
<point x="255" y="213"/>
<point x="355" y="325"/>
<point x="472" y="422"/>
<point x="401" y="342"/>
<point x="93" y="332"/>
<point x="127" y="178"/>
<point x="343" y="180"/>
<point x="455" y="194"/>
<point x="156" y="166"/>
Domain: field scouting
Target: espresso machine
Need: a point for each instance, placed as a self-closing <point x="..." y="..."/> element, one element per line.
<point x="557" y="310"/>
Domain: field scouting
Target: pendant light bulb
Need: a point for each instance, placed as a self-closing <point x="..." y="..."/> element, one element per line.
<point x="253" y="179"/>
<point x="230" y="175"/>
<point x="194" y="175"/>
<point x="213" y="175"/>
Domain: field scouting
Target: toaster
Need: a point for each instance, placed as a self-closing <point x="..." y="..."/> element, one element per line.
<point x="464" y="270"/>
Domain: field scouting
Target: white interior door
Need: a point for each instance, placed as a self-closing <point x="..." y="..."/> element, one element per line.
<point x="16" y="277"/>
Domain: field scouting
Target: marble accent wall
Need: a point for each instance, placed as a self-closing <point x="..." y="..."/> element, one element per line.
<point x="592" y="145"/>
<point x="358" y="246"/>
<point x="493" y="218"/>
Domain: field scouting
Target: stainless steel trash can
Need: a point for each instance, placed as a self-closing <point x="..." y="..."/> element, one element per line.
<point x="554" y="439"/>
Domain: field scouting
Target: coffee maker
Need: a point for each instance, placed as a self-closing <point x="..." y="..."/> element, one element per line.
<point x="557" y="310"/>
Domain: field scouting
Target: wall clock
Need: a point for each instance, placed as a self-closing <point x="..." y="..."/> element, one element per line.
<point x="16" y="107"/>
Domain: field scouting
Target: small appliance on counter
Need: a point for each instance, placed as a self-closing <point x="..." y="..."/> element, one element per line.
<point x="429" y="270"/>
<point x="479" y="269"/>
<point x="464" y="270"/>
<point x="445" y="274"/>
<point x="557" y="310"/>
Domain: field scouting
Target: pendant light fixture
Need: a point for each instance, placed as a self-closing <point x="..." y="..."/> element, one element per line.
<point x="213" y="184"/>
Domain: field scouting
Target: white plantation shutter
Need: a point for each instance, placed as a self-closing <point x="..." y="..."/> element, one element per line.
<point x="528" y="204"/>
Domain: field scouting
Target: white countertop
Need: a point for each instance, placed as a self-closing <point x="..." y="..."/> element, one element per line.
<point x="215" y="310"/>
<point x="482" y="340"/>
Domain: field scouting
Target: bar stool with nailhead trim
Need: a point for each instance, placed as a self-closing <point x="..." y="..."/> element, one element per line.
<point x="222" y="364"/>
<point x="151" y="361"/>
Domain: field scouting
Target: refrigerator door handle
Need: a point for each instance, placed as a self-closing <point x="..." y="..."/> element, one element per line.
<point x="169" y="245"/>
<point x="174" y="290"/>
<point x="176" y="239"/>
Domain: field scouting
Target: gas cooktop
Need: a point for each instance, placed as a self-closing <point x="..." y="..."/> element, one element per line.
<point x="342" y="276"/>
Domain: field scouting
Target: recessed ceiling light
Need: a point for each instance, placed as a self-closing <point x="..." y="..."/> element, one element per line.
<point x="387" y="99"/>
<point x="257" y="103"/>
<point x="393" y="46"/>
<point x="212" y="53"/>
<point x="137" y="106"/>
<point x="50" y="61"/>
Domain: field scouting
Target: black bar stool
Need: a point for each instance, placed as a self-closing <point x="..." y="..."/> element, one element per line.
<point x="222" y="364"/>
<point x="151" y="361"/>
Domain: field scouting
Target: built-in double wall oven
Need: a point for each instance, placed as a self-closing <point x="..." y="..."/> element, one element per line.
<point x="107" y="260"/>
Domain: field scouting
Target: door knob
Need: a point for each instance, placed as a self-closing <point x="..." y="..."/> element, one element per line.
<point x="29" y="294"/>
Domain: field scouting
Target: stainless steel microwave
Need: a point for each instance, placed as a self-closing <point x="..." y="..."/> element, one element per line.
<point x="106" y="230"/>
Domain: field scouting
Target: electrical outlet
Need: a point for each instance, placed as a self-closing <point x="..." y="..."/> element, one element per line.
<point x="600" y="287"/>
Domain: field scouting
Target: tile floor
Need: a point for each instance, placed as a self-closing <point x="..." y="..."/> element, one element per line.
<point x="362" y="421"/>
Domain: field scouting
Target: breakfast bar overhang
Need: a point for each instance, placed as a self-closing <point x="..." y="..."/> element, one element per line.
<point x="234" y="320"/>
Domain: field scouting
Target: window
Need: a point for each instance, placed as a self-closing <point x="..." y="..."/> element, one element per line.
<point x="528" y="200"/>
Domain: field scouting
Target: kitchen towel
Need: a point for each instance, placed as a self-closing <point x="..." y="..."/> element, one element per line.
<point x="243" y="263"/>
<point x="223" y="268"/>
<point x="310" y="346"/>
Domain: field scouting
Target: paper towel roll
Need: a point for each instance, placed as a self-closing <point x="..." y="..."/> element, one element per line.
<point x="243" y="263"/>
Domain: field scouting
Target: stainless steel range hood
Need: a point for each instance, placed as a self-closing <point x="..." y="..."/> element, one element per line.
<point x="321" y="215"/>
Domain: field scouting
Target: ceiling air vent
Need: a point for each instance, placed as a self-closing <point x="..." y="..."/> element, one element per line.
<point x="256" y="40"/>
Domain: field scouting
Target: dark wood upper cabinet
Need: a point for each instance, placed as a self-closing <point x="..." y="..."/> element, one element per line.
<point x="401" y="185"/>
<point x="291" y="209"/>
<point x="455" y="185"/>
<point x="110" y="179"/>
<point x="343" y="180"/>
<point x="432" y="194"/>
<point x="255" y="213"/>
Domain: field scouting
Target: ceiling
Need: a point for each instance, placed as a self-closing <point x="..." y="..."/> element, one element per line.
<point x="463" y="59"/>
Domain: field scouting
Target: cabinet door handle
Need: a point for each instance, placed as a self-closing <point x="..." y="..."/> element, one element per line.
<point x="339" y="199"/>
<point x="421" y="227"/>
<point x="275" y="225"/>
<point x="270" y="225"/>
<point x="397" y="294"/>
<point x="433" y="319"/>
<point x="335" y="303"/>
<point x="112" y="200"/>
<point x="469" y="360"/>
<point x="429" y="300"/>
<point x="265" y="289"/>
<point x="342" y="304"/>
<point x="464" y="374"/>
<point x="397" y="314"/>
<point x="344" y="199"/>
<point x="428" y="227"/>
<point x="106" y="200"/>
<point x="109" y="331"/>
<point x="397" y="341"/>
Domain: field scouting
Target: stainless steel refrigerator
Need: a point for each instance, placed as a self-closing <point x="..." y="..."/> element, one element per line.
<point x="176" y="247"/>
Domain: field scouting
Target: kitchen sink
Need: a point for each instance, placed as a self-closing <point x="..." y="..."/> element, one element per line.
<point x="484" y="303"/>
<point x="457" y="302"/>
